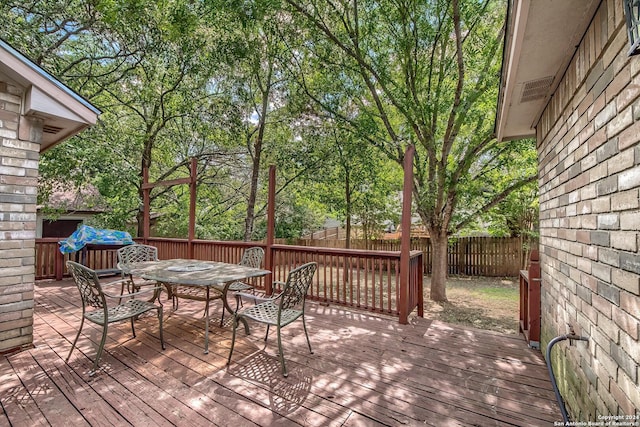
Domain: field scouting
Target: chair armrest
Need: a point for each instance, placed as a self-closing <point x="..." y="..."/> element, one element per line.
<point x="127" y="295"/>
<point x="280" y="285"/>
<point x="256" y="298"/>
<point x="115" y="282"/>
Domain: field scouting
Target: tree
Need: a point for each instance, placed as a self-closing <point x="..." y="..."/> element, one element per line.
<point x="390" y="73"/>
<point x="516" y="214"/>
<point x="150" y="69"/>
<point x="258" y="86"/>
<point x="357" y="181"/>
<point x="423" y="73"/>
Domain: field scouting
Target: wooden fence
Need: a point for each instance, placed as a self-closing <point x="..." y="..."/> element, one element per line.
<point x="332" y="233"/>
<point x="471" y="256"/>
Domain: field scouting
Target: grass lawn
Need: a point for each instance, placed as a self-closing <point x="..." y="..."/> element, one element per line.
<point x="482" y="302"/>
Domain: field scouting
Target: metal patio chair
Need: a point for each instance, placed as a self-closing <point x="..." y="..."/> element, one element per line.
<point x="280" y="310"/>
<point x="252" y="257"/>
<point x="128" y="256"/>
<point x="93" y="295"/>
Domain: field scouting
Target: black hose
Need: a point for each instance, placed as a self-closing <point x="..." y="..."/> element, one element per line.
<point x="563" y="409"/>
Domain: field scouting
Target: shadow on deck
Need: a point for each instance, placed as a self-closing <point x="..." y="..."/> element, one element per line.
<point x="366" y="370"/>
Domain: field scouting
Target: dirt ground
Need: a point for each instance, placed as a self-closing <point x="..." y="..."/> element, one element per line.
<point x="483" y="302"/>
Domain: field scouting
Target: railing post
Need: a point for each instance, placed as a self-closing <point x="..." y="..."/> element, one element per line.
<point x="530" y="301"/>
<point x="405" y="244"/>
<point x="534" y="300"/>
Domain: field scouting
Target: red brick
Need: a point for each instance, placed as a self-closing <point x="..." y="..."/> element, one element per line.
<point x="619" y="82"/>
<point x="630" y="136"/>
<point x="623" y="401"/>
<point x="626" y="322"/>
<point x="631" y="304"/>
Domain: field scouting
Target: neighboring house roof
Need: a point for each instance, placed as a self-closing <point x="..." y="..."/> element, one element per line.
<point x="84" y="200"/>
<point x="540" y="42"/>
<point x="65" y="113"/>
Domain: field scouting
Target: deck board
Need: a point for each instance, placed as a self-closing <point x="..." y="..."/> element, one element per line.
<point x="366" y="370"/>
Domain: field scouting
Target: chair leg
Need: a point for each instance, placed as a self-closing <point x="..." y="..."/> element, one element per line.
<point x="156" y="296"/>
<point x="99" y="353"/>
<point x="75" y="340"/>
<point x="304" y="326"/>
<point x="267" y="334"/>
<point x="233" y="337"/>
<point x="121" y="292"/>
<point x="282" y="362"/>
<point x="133" y="329"/>
<point x="160" y="309"/>
<point x="175" y="299"/>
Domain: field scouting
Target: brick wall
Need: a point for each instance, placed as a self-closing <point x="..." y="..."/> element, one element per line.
<point x="19" y="155"/>
<point x="589" y="176"/>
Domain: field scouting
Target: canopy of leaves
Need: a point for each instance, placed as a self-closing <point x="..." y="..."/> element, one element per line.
<point x="347" y="87"/>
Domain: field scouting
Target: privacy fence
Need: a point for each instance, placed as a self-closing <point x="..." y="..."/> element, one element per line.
<point x="471" y="256"/>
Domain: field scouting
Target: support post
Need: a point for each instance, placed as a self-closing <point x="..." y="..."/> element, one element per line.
<point x="271" y="228"/>
<point x="405" y="242"/>
<point x="192" y="206"/>
<point x="146" y="196"/>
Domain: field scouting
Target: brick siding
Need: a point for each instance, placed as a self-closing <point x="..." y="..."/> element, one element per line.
<point x="18" y="185"/>
<point x="589" y="176"/>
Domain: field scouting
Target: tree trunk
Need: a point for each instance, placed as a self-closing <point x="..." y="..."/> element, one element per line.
<point x="255" y="172"/>
<point x="145" y="163"/>
<point x="253" y="192"/>
<point x="439" y="244"/>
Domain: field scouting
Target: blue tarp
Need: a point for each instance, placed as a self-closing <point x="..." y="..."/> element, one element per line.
<point x="86" y="235"/>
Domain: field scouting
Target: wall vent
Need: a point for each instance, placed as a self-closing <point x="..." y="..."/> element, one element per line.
<point x="51" y="129"/>
<point x="536" y="89"/>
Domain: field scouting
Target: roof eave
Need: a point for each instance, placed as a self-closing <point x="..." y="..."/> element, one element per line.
<point x="64" y="112"/>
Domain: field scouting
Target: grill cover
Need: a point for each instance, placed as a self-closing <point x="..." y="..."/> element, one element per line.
<point x="86" y="235"/>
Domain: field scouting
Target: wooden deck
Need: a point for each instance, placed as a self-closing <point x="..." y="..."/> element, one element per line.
<point x="365" y="371"/>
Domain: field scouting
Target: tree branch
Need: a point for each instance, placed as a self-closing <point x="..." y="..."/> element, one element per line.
<point x="494" y="201"/>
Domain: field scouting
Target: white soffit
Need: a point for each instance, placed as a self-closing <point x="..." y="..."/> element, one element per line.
<point x="64" y="112"/>
<point x="541" y="40"/>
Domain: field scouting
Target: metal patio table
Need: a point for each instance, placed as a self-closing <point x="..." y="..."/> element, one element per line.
<point x="211" y="275"/>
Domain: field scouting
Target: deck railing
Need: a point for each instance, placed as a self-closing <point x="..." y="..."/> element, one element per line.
<point x="530" y="301"/>
<point x="368" y="280"/>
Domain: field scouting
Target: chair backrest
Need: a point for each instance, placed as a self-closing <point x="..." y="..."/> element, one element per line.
<point x="298" y="282"/>
<point x="136" y="253"/>
<point x="88" y="284"/>
<point x="252" y="257"/>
